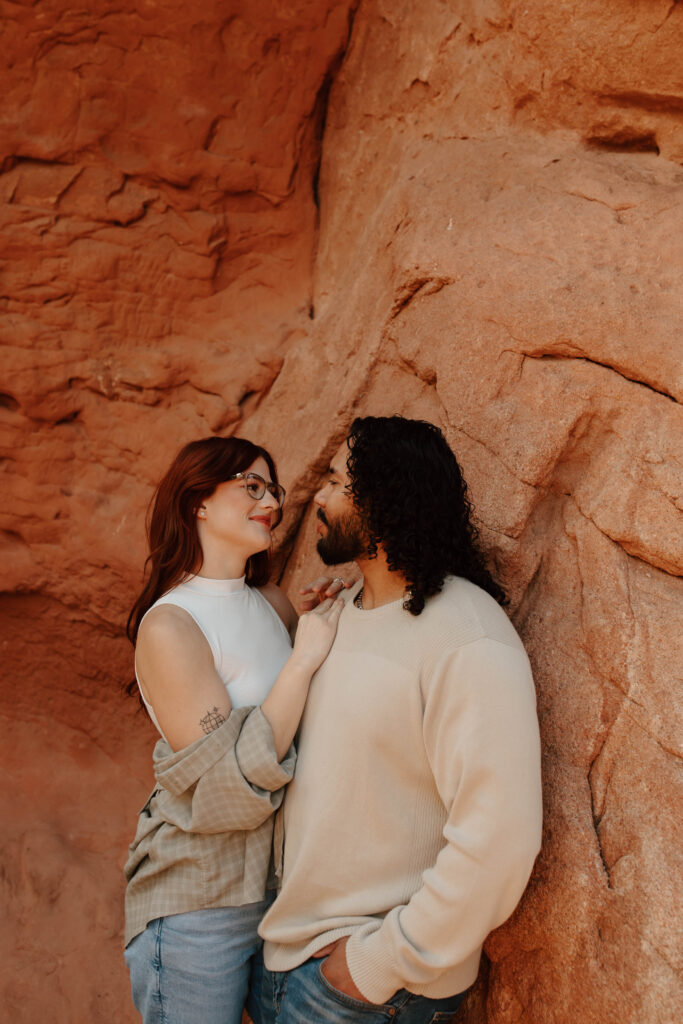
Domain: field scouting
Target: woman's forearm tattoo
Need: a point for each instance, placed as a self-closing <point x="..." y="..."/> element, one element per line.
<point x="212" y="720"/>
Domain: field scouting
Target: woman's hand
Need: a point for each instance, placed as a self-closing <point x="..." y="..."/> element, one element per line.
<point x="284" y="704"/>
<point x="315" y="634"/>
<point x="320" y="589"/>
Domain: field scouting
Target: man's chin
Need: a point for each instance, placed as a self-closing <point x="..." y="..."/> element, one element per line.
<point x="337" y="555"/>
<point x="324" y="553"/>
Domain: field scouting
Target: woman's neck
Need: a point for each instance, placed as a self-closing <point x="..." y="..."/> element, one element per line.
<point x="222" y="565"/>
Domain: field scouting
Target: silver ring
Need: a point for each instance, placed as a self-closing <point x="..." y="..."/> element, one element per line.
<point x="339" y="579"/>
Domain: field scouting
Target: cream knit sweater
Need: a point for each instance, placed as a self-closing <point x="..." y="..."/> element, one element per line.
<point x="414" y="817"/>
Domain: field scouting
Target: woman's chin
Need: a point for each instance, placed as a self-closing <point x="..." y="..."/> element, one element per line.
<point x="263" y="546"/>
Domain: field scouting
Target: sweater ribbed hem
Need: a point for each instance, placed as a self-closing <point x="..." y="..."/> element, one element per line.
<point x="278" y="957"/>
<point x="376" y="976"/>
<point x="371" y="969"/>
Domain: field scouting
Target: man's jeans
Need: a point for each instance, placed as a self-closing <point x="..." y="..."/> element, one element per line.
<point x="195" y="968"/>
<point x="305" y="996"/>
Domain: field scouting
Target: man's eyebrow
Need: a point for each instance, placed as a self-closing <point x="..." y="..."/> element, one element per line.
<point x="331" y="471"/>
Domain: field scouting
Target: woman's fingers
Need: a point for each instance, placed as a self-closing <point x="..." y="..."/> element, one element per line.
<point x="325" y="585"/>
<point x="336" y="586"/>
<point x="317" y="586"/>
<point x="317" y="631"/>
<point x="313" y="593"/>
<point x="319" y="589"/>
<point x="330" y="608"/>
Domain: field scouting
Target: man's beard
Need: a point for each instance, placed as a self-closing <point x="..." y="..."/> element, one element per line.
<point x="344" y="540"/>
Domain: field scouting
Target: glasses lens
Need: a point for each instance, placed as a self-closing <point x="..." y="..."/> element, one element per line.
<point x="256" y="486"/>
<point x="278" y="493"/>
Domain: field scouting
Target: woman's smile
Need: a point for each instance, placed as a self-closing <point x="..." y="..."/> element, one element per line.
<point x="265" y="519"/>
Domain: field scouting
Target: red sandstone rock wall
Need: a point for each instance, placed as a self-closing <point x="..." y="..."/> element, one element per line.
<point x="497" y="248"/>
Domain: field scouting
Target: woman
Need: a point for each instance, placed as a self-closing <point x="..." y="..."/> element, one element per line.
<point x="216" y="670"/>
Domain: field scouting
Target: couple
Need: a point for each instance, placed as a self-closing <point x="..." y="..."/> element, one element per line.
<point x="412" y="823"/>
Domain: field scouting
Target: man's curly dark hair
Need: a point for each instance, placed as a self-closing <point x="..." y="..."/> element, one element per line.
<point x="408" y="487"/>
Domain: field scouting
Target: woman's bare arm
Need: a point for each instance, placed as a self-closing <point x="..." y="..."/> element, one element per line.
<point x="178" y="678"/>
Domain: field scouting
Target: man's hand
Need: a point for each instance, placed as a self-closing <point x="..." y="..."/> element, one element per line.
<point x="320" y="589"/>
<point x="336" y="970"/>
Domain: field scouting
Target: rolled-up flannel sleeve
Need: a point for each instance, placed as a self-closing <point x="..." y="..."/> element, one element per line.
<point x="481" y="736"/>
<point x="228" y="780"/>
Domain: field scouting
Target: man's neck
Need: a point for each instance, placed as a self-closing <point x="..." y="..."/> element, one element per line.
<point x="380" y="584"/>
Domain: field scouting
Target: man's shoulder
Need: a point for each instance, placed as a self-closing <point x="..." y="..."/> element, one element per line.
<point x="472" y="646"/>
<point x="463" y="612"/>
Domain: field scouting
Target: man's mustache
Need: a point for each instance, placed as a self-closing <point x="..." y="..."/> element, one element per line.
<point x="322" y="517"/>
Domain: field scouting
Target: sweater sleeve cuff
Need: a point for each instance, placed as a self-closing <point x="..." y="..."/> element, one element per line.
<point x="255" y="752"/>
<point x="370" y="964"/>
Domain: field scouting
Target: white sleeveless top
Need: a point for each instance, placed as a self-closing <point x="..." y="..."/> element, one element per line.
<point x="247" y="637"/>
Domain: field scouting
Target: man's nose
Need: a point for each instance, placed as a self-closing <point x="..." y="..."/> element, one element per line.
<point x="319" y="497"/>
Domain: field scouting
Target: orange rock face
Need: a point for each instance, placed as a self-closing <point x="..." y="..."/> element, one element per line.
<point x="266" y="218"/>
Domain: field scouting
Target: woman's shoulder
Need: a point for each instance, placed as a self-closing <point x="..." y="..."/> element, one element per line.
<point x="279" y="601"/>
<point x="168" y="624"/>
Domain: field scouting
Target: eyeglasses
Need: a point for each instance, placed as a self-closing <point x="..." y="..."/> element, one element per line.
<point x="257" y="487"/>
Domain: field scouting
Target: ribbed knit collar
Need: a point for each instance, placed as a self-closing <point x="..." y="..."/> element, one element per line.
<point x="217" y="588"/>
<point x="389" y="608"/>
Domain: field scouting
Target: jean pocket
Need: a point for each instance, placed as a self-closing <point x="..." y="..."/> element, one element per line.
<point x="358" y="1005"/>
<point x="449" y="1016"/>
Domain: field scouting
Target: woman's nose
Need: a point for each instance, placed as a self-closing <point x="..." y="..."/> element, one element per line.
<point x="269" y="501"/>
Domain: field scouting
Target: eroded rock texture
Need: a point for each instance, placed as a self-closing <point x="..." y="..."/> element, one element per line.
<point x="264" y="218"/>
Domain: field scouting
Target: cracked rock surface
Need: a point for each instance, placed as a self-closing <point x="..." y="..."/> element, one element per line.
<point x="265" y="218"/>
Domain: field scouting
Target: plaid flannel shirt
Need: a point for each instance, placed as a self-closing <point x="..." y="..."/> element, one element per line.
<point x="204" y="837"/>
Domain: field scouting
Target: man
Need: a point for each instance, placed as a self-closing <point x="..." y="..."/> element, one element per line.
<point x="414" y="818"/>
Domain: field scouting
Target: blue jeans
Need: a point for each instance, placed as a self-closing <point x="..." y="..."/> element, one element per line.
<point x="196" y="968"/>
<point x="305" y="996"/>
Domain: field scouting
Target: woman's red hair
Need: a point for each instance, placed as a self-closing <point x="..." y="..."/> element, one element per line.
<point x="174" y="549"/>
